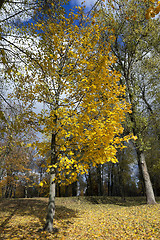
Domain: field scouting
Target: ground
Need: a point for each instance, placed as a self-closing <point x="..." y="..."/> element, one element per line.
<point x="81" y="218"/>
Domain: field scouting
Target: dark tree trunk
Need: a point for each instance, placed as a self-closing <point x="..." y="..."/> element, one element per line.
<point x="112" y="181"/>
<point x="87" y="189"/>
<point x="7" y="191"/>
<point x="10" y="191"/>
<point x="66" y="191"/>
<point x="74" y="188"/>
<point x="14" y="191"/>
<point x="99" y="180"/>
<point x="3" y="192"/>
<point x="90" y="183"/>
<point x="121" y="183"/>
<point x="109" y="180"/>
<point x="59" y="190"/>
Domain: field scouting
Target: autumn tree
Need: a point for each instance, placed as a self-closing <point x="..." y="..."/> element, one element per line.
<point x="14" y="156"/>
<point x="150" y="94"/>
<point x="84" y="104"/>
<point x="15" y="38"/>
<point x="135" y="37"/>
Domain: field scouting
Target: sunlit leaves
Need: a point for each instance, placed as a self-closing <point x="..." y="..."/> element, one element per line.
<point x="153" y="10"/>
<point x="84" y="102"/>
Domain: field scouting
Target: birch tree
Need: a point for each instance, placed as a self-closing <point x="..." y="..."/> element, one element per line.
<point x="135" y="34"/>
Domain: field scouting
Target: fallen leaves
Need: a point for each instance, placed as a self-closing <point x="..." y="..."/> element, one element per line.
<point x="80" y="218"/>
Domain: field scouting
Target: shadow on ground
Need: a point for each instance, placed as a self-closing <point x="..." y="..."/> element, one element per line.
<point x="11" y="207"/>
<point x="38" y="208"/>
<point x="25" y="208"/>
<point x="127" y="202"/>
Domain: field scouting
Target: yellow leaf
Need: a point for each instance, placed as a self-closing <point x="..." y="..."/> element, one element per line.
<point x="29" y="145"/>
<point x="41" y="184"/>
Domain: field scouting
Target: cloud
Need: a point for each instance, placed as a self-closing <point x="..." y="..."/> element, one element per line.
<point x="21" y="10"/>
<point x="87" y="3"/>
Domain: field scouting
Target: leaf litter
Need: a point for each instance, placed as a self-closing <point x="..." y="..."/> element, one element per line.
<point x="80" y="218"/>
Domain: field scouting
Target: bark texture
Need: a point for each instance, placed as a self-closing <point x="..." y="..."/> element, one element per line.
<point x="99" y="180"/>
<point x="148" y="185"/>
<point x="51" y="206"/>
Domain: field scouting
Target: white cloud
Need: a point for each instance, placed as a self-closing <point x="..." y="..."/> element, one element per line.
<point x="87" y="3"/>
<point x="15" y="11"/>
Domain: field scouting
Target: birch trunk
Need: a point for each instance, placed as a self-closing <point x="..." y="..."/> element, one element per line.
<point x="51" y="206"/>
<point x="148" y="185"/>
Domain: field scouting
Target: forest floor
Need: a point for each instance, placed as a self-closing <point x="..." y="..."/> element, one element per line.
<point x="103" y="218"/>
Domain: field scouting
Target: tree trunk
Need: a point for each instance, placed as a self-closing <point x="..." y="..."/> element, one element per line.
<point x="89" y="190"/>
<point x="99" y="180"/>
<point x="66" y="190"/>
<point x="109" y="180"/>
<point x="121" y="182"/>
<point x="59" y="190"/>
<point x="140" y="176"/>
<point x="90" y="183"/>
<point x="112" y="180"/>
<point x="14" y="190"/>
<point x="140" y="154"/>
<point x="7" y="191"/>
<point x="10" y="191"/>
<point x="74" y="189"/>
<point x="25" y="192"/>
<point x="51" y="206"/>
<point x="3" y="192"/>
<point x="148" y="185"/>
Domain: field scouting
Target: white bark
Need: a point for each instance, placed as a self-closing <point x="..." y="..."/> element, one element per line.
<point x="148" y="185"/>
<point x="51" y="206"/>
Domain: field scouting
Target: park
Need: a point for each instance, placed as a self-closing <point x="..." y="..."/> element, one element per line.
<point x="81" y="218"/>
<point x="79" y="119"/>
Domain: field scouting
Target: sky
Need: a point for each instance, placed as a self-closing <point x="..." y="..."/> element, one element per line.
<point x="88" y="3"/>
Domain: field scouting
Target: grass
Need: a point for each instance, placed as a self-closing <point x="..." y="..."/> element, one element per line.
<point x="81" y="218"/>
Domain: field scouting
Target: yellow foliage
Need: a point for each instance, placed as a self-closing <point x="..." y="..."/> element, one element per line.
<point x="86" y="104"/>
<point x="41" y="184"/>
<point x="29" y="145"/>
<point x="152" y="11"/>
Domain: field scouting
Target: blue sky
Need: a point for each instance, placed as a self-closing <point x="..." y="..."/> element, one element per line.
<point x="72" y="3"/>
<point x="87" y="3"/>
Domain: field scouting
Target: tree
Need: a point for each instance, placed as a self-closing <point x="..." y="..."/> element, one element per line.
<point x="14" y="159"/>
<point x="15" y="39"/>
<point x="14" y="155"/>
<point x="12" y="15"/>
<point x="84" y="104"/>
<point x="133" y="34"/>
